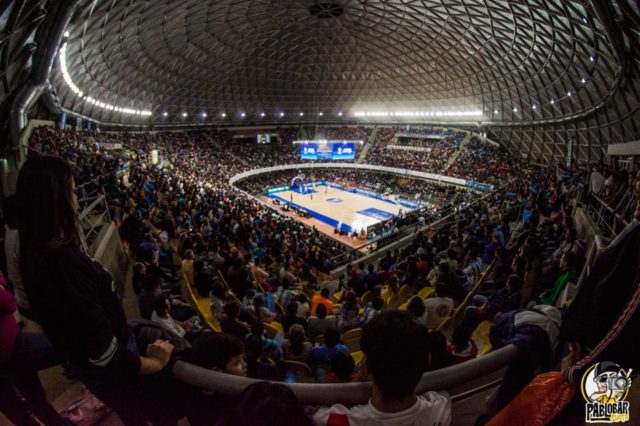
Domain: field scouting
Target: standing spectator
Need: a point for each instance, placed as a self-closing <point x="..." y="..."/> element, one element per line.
<point x="91" y="331"/>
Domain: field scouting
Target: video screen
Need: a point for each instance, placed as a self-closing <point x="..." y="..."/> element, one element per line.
<point x="327" y="151"/>
<point x="263" y="138"/>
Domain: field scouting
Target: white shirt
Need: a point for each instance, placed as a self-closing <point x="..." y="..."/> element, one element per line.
<point x="168" y="324"/>
<point x="430" y="409"/>
<point x="438" y="308"/>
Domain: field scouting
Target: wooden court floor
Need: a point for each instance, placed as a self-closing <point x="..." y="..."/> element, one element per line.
<point x="354" y="210"/>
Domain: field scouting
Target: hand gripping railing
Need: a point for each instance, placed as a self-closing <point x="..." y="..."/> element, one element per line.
<point x="349" y="393"/>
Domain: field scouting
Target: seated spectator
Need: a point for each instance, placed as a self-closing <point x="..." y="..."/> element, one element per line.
<point x="342" y="368"/>
<point x="285" y="275"/>
<point x="323" y="354"/>
<point x="271" y="348"/>
<point x="535" y="333"/>
<point x="218" y="352"/>
<point x="187" y="265"/>
<point x="397" y="353"/>
<point x="229" y="322"/>
<point x="349" y="311"/>
<point x="371" y="279"/>
<point x="259" y="312"/>
<point x="296" y="347"/>
<point x="217" y="299"/>
<point x="462" y="347"/>
<point x="22" y="354"/>
<point x="266" y="404"/>
<point x="322" y="298"/>
<point x="319" y="324"/>
<point x="567" y="274"/>
<point x="418" y="310"/>
<point x="202" y="281"/>
<point x="259" y="366"/>
<point x="452" y="285"/>
<point x="438" y="307"/>
<point x="139" y="275"/>
<point x="474" y="266"/>
<point x="291" y="318"/>
<point x="284" y="295"/>
<point x="372" y="310"/>
<point x="303" y="306"/>
<point x="501" y="301"/>
<point x="162" y="317"/>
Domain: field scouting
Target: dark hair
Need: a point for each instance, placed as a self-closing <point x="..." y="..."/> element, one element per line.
<point x="215" y="350"/>
<point x="331" y="337"/>
<point x="321" y="310"/>
<point x="416" y="306"/>
<point x="324" y="292"/>
<point x="343" y="365"/>
<point x="443" y="267"/>
<point x="232" y="309"/>
<point x="160" y="304"/>
<point x="397" y="353"/>
<point x="266" y="404"/>
<point x="258" y="302"/>
<point x="460" y="337"/>
<point x="46" y="215"/>
<point x="297" y="338"/>
<point x="292" y="309"/>
<point x="516" y="282"/>
<point x="10" y="211"/>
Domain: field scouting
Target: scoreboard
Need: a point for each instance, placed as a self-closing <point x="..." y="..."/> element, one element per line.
<point x="327" y="150"/>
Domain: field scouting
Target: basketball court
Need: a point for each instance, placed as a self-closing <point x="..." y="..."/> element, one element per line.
<point x="343" y="208"/>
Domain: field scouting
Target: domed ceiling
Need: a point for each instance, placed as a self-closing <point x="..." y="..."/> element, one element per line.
<point x="526" y="70"/>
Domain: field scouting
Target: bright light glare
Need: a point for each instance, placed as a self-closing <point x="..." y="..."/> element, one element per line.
<point x="465" y="113"/>
<point x="87" y="98"/>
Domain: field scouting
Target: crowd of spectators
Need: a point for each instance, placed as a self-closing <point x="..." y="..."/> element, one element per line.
<point x="265" y="276"/>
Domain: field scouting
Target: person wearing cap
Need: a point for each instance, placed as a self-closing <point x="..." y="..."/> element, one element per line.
<point x="438" y="307"/>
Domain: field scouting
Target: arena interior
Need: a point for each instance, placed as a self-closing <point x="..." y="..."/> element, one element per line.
<point x="319" y="212"/>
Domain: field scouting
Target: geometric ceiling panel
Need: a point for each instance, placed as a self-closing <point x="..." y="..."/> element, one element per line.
<point x="526" y="64"/>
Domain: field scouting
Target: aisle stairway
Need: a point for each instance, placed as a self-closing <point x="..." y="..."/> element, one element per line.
<point x="367" y="146"/>
<point x="455" y="155"/>
<point x="228" y="152"/>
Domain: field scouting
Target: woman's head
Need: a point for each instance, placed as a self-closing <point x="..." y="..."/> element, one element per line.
<point x="47" y="203"/>
<point x="297" y="337"/>
<point x="416" y="307"/>
<point x="161" y="305"/>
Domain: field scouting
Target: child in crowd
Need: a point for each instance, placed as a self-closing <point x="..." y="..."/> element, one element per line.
<point x="218" y="352"/>
<point x="462" y="347"/>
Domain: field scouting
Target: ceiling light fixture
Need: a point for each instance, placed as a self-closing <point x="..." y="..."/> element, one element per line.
<point x="88" y="98"/>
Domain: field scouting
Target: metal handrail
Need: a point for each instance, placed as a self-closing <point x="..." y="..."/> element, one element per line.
<point x="349" y="393"/>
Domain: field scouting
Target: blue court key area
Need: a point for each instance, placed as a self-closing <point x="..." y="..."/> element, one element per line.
<point x="376" y="213"/>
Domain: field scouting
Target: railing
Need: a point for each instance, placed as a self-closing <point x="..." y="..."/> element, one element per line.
<point x="357" y="392"/>
<point x="94" y="215"/>
<point x="603" y="215"/>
